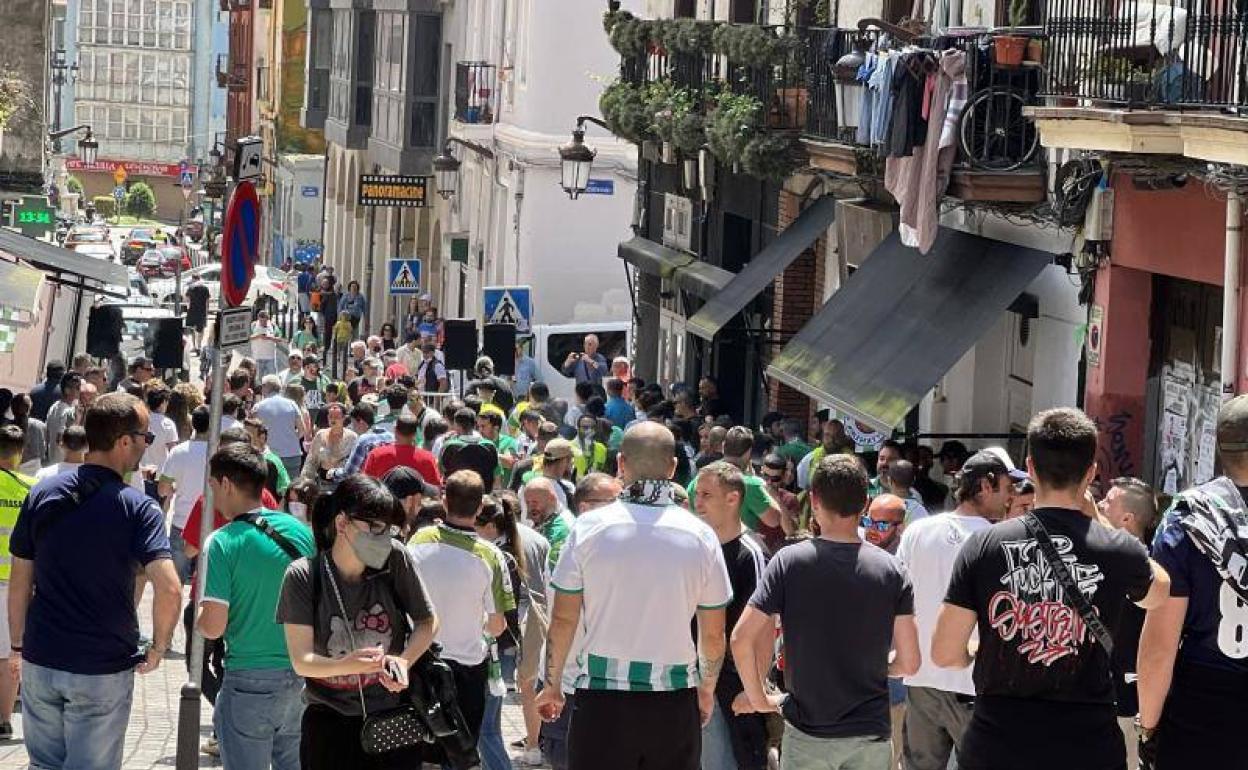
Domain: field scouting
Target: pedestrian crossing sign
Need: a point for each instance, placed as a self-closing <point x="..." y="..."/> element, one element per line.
<point x="404" y="276"/>
<point x="509" y="305"/>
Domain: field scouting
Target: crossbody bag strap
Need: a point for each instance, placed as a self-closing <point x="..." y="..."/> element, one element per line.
<point x="74" y="498"/>
<point x="346" y="623"/>
<point x="1067" y="581"/>
<point x="265" y="526"/>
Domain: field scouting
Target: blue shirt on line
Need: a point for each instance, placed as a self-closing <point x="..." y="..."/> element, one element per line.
<point x="82" y="618"/>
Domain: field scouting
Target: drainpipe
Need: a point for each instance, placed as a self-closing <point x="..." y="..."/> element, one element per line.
<point x="1230" y="294"/>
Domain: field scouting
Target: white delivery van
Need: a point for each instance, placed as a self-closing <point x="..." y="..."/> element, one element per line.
<point x="551" y="344"/>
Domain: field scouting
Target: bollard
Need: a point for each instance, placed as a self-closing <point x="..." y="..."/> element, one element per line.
<point x="188" y="727"/>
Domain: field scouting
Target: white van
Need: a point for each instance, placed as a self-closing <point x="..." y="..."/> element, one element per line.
<point x="552" y="343"/>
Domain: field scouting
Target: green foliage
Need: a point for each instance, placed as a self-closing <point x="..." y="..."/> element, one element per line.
<point x="140" y="200"/>
<point x="73" y="185"/>
<point x="752" y="45"/>
<point x="625" y="107"/>
<point x="688" y="36"/>
<point x="1018" y="12"/>
<point x="630" y="36"/>
<point x="677" y="117"/>
<point x="105" y="206"/>
<point x="734" y="122"/>
<point x="769" y="156"/>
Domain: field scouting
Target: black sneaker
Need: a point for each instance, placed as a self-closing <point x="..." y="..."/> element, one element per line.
<point x="6" y="731"/>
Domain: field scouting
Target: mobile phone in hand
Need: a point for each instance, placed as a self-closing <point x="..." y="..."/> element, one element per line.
<point x="396" y="670"/>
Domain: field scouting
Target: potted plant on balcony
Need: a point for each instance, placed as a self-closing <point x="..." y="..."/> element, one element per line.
<point x="629" y="36"/>
<point x="1008" y="49"/>
<point x="733" y="123"/>
<point x="769" y="156"/>
<point x="665" y="104"/>
<point x="688" y="36"/>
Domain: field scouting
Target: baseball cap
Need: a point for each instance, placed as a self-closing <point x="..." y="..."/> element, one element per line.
<point x="405" y="482"/>
<point x="558" y="449"/>
<point x="993" y="460"/>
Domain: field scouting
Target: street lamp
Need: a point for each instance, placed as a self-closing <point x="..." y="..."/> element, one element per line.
<point x="577" y="160"/>
<point x="88" y="148"/>
<point x="446" y="173"/>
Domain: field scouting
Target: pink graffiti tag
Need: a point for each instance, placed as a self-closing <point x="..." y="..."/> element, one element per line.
<point x="1049" y="630"/>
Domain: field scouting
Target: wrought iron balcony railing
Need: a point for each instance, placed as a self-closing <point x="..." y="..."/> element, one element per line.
<point x="1148" y="53"/>
<point x="475" y="89"/>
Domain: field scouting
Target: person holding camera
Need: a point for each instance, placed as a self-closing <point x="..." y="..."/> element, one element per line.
<point x="589" y="366"/>
<point x="356" y="618"/>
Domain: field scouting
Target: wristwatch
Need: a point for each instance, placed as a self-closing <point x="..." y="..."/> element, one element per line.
<point x="1145" y="733"/>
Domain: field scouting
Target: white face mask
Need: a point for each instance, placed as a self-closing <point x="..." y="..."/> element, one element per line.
<point x="298" y="510"/>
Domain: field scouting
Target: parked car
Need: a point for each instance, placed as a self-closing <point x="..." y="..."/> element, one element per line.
<point x="80" y="234"/>
<point x="136" y="292"/>
<point x="150" y="265"/>
<point x="102" y="251"/>
<point x="138" y="242"/>
<point x="170" y="256"/>
<point x="268" y="288"/>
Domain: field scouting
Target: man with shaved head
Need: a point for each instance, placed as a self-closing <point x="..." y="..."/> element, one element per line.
<point x="550" y="517"/>
<point x="883" y="521"/>
<point x="640" y="569"/>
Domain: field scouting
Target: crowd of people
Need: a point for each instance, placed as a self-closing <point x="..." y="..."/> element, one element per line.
<point x="662" y="585"/>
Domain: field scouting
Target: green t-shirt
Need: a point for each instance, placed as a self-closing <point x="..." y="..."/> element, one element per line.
<point x="283" y="477"/>
<point x="757" y="500"/>
<point x="245" y="572"/>
<point x="793" y="451"/>
<point x="506" y="445"/>
<point x="556" y="531"/>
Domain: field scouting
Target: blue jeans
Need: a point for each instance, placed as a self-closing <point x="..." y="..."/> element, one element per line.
<point x="490" y="742"/>
<point x="181" y="562"/>
<point x="75" y="720"/>
<point x="257" y="719"/>
<point x="717" y="743"/>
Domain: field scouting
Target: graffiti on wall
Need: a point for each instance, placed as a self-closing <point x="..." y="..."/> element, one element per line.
<point x="1120" y="425"/>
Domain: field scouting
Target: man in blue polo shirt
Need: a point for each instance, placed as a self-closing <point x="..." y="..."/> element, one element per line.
<point x="77" y="639"/>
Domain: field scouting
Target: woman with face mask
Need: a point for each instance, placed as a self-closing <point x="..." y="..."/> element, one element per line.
<point x="301" y="497"/>
<point x="356" y="618"/>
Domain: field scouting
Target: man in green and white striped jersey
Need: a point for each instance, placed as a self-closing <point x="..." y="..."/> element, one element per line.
<point x="640" y="569"/>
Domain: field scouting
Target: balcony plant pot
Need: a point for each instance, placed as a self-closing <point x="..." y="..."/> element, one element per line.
<point x="1008" y="50"/>
<point x="1035" y="50"/>
<point x="791" y="112"/>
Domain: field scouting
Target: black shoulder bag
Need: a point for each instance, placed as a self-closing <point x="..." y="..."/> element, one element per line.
<point x="262" y="524"/>
<point x="1067" y="581"/>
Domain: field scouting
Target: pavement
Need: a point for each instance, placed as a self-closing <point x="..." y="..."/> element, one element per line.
<point x="151" y="738"/>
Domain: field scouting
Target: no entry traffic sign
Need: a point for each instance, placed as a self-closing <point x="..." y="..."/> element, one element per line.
<point x="240" y="244"/>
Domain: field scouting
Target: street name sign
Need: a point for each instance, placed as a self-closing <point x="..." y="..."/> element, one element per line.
<point x="403" y="276"/>
<point x="233" y="327"/>
<point x="239" y="244"/>
<point x="393" y="190"/>
<point x="509" y="305"/>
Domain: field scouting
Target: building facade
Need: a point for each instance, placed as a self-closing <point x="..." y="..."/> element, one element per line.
<point x="24" y="73"/>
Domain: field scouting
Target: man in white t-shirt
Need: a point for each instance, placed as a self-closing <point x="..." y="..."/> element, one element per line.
<point x="284" y="421"/>
<point x="62" y="413"/>
<point x="635" y="573"/>
<point x="940" y="701"/>
<point x="74" y="453"/>
<point x="264" y="344"/>
<point x="183" y="476"/>
<point x="163" y="429"/>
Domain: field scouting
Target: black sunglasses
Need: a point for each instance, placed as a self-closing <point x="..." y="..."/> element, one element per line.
<point x="148" y="436"/>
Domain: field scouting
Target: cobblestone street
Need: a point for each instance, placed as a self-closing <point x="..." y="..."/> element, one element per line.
<point x="151" y="740"/>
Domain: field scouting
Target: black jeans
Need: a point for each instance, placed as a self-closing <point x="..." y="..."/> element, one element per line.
<point x="748" y="732"/>
<point x="614" y="730"/>
<point x="1201" y="723"/>
<point x="331" y="741"/>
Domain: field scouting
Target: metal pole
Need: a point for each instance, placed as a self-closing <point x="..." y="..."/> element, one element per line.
<point x="368" y="265"/>
<point x="190" y="704"/>
<point x="1230" y="294"/>
<point x="177" y="270"/>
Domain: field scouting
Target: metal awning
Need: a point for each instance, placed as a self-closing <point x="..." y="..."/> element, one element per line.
<point x="763" y="269"/>
<point x="48" y="256"/>
<point x="902" y="321"/>
<point x="685" y="270"/>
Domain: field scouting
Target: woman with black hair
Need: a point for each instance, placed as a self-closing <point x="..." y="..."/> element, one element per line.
<point x="353" y="614"/>
<point x="497" y="523"/>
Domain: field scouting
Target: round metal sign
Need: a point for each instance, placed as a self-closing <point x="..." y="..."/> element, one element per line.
<point x="239" y="244"/>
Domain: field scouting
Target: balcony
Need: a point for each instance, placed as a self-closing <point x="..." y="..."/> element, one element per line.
<point x="1145" y="77"/>
<point x="998" y="155"/>
<point x="475" y="90"/>
<point x="231" y="78"/>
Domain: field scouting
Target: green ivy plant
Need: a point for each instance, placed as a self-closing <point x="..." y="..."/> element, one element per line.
<point x="629" y="36"/>
<point x="677" y="117"/>
<point x="733" y="123"/>
<point x="625" y="107"/>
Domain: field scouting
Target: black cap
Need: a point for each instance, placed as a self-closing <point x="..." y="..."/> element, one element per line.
<point x="952" y="449"/>
<point x="405" y="482"/>
<point x="988" y="462"/>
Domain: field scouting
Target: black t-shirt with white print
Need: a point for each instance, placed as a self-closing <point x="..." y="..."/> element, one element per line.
<point x="1036" y="659"/>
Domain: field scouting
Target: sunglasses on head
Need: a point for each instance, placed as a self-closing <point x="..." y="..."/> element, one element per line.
<point x="878" y="526"/>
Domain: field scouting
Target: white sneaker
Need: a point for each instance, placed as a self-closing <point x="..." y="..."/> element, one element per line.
<point x="530" y="758"/>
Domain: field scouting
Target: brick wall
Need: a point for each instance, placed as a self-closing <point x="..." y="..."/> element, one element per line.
<point x="798" y="296"/>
